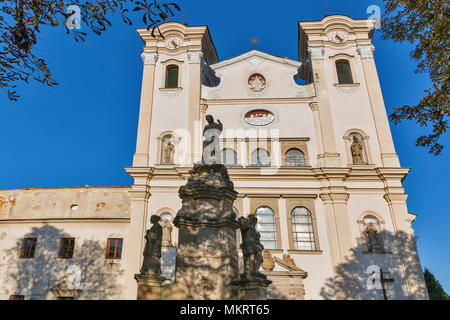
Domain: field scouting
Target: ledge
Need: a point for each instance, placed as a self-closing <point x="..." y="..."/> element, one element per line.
<point x="361" y="166"/>
<point x="386" y="253"/>
<point x="344" y="85"/>
<point x="66" y="220"/>
<point x="275" y="250"/>
<point x="170" y="89"/>
<point x="314" y="252"/>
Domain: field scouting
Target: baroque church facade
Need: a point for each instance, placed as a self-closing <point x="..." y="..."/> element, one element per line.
<point x="313" y="159"/>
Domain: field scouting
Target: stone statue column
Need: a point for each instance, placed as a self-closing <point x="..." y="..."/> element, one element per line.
<point x="150" y="279"/>
<point x="207" y="256"/>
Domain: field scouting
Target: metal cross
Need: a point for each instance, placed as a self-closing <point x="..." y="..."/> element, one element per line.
<point x="383" y="280"/>
<point x="185" y="19"/>
<point x="254" y="40"/>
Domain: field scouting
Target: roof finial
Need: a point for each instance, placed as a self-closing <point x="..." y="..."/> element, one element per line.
<point x="325" y="9"/>
<point x="185" y="19"/>
<point x="254" y="40"/>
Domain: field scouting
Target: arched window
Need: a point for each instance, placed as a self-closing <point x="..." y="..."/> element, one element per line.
<point x="344" y="72"/>
<point x="166" y="215"/>
<point x="260" y="158"/>
<point x="302" y="229"/>
<point x="266" y="226"/>
<point x="229" y="157"/>
<point x="167" y="149"/>
<point x="295" y="158"/>
<point x="172" y="76"/>
<point x="357" y="148"/>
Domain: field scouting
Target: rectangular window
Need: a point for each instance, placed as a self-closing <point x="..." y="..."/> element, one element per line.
<point x="17" y="297"/>
<point x="66" y="248"/>
<point x="28" y="248"/>
<point x="344" y="72"/>
<point x="114" y="248"/>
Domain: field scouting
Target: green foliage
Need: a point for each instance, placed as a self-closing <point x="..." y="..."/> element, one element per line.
<point x="425" y="23"/>
<point x="435" y="290"/>
<point x="21" y="20"/>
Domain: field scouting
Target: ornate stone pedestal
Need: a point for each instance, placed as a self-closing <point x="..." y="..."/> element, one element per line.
<point x="252" y="289"/>
<point x="149" y="286"/>
<point x="207" y="259"/>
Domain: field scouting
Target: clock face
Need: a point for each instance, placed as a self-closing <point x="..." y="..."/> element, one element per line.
<point x="173" y="43"/>
<point x="338" y="37"/>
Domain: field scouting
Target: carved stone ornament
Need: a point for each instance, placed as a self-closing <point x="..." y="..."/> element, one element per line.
<point x="287" y="258"/>
<point x="257" y="82"/>
<point x="316" y="52"/>
<point x="338" y="37"/>
<point x="195" y="56"/>
<point x="366" y="50"/>
<point x="268" y="261"/>
<point x="259" y="117"/>
<point x="149" y="57"/>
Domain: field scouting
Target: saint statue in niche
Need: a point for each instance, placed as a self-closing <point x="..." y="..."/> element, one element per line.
<point x="256" y="83"/>
<point x="357" y="151"/>
<point x="166" y="233"/>
<point x="169" y="149"/>
<point x="373" y="237"/>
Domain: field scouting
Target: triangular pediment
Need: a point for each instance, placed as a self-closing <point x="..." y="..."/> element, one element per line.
<point x="255" y="57"/>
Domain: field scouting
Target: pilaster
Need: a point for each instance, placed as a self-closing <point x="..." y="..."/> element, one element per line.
<point x="139" y="194"/>
<point x="194" y="107"/>
<point x="395" y="197"/>
<point x="389" y="157"/>
<point x="328" y="157"/>
<point x="141" y="157"/>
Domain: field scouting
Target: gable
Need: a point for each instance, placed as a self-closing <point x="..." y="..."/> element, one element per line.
<point x="276" y="73"/>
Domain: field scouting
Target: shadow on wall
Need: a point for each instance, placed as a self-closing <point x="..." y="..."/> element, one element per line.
<point x="87" y="271"/>
<point x="355" y="278"/>
<point x="206" y="263"/>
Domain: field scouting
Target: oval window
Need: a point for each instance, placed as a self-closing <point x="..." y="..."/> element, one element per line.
<point x="259" y="117"/>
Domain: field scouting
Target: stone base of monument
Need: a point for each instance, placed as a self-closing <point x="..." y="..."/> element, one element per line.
<point x="252" y="288"/>
<point x="207" y="259"/>
<point x="149" y="286"/>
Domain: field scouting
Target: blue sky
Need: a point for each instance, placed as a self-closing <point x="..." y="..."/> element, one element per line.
<point x="83" y="131"/>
